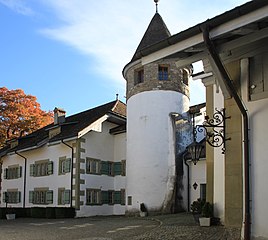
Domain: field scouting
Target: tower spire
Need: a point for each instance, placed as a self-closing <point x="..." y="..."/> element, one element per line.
<point x="156" y="5"/>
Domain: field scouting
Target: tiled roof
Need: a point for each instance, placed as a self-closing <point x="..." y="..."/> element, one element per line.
<point x="156" y="32"/>
<point x="71" y="127"/>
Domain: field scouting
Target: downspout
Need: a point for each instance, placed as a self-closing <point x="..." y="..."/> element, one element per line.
<point x="188" y="182"/>
<point x="232" y="91"/>
<point x="72" y="161"/>
<point x="24" y="184"/>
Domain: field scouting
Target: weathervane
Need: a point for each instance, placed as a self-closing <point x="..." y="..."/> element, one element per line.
<point x="156" y="5"/>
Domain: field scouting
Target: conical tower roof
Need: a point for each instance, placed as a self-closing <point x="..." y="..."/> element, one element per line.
<point x="156" y="32"/>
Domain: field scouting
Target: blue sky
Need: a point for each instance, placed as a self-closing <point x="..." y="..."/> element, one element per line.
<point x="70" y="53"/>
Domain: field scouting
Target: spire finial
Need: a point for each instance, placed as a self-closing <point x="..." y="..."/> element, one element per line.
<point x="156" y="5"/>
<point x="116" y="96"/>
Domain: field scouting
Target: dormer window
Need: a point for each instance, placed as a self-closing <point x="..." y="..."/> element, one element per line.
<point x="162" y="73"/>
<point x="139" y="76"/>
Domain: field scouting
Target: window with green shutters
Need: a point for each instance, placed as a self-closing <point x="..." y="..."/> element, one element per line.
<point x="93" y="166"/>
<point x="41" y="196"/>
<point x="41" y="168"/>
<point x="12" y="197"/>
<point x="93" y="196"/>
<point x="113" y="197"/>
<point x="113" y="168"/>
<point x="64" y="196"/>
<point x="64" y="165"/>
<point x="13" y="172"/>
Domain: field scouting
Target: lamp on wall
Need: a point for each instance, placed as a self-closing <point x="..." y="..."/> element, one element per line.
<point x="214" y="130"/>
<point x="194" y="148"/>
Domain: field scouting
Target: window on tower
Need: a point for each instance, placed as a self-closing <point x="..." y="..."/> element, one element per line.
<point x="162" y="73"/>
<point x="185" y="77"/>
<point x="139" y="76"/>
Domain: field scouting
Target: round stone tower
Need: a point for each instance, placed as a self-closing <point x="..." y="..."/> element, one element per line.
<point x="156" y="92"/>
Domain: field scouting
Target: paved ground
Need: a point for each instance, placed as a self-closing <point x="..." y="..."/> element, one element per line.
<point x="177" y="226"/>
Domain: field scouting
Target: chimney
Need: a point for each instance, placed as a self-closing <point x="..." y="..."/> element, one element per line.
<point x="59" y="116"/>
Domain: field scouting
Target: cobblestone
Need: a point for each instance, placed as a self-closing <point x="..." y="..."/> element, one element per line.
<point x="183" y="226"/>
<point x="162" y="227"/>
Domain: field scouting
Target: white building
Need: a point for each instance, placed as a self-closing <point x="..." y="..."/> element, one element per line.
<point x="78" y="161"/>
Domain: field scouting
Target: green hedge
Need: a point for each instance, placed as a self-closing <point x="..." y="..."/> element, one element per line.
<point x="65" y="212"/>
<point x="39" y="212"/>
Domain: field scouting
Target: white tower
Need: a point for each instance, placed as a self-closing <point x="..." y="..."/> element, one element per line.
<point x="154" y="93"/>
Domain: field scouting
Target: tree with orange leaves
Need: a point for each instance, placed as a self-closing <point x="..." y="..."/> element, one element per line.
<point x="20" y="114"/>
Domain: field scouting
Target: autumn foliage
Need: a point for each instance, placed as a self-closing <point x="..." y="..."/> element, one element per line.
<point x="20" y="114"/>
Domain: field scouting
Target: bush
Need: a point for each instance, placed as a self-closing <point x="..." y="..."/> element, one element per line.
<point x="38" y="212"/>
<point x="196" y="206"/>
<point x="50" y="212"/>
<point x="143" y="207"/>
<point x="207" y="210"/>
<point x="64" y="212"/>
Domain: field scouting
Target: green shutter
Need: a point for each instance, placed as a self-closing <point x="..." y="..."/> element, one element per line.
<point x="88" y="165"/>
<point x="49" y="196"/>
<point x="32" y="170"/>
<point x="50" y="168"/>
<point x="31" y="196"/>
<point x="104" y="168"/>
<point x="117" y="168"/>
<point x="19" y="172"/>
<point x="123" y="196"/>
<point x="5" y="173"/>
<point x="67" y="163"/>
<point x="18" y="197"/>
<point x="104" y="197"/>
<point x="67" y="196"/>
<point x="4" y="196"/>
<point x="117" y="197"/>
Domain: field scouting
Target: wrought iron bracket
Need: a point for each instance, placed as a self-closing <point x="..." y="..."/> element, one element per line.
<point x="214" y="129"/>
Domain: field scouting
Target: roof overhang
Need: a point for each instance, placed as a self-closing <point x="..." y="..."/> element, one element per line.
<point x="234" y="24"/>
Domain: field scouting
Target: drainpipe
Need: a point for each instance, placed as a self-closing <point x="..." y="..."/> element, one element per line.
<point x="24" y="184"/>
<point x="188" y="181"/>
<point x="232" y="91"/>
<point x="72" y="162"/>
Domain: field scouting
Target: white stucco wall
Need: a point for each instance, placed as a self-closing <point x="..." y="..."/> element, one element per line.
<point x="105" y="147"/>
<point x="53" y="182"/>
<point x="151" y="147"/>
<point x="258" y="114"/>
<point x="219" y="165"/>
<point x="197" y="175"/>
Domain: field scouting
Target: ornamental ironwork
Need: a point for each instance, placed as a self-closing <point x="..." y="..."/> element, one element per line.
<point x="214" y="129"/>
